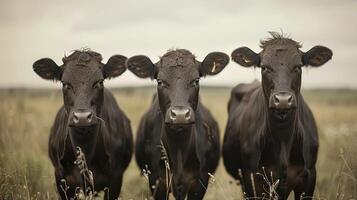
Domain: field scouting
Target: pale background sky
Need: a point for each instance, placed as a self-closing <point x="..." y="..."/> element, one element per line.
<point x="34" y="29"/>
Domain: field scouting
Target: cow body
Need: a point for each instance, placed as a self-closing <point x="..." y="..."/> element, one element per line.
<point x="271" y="141"/>
<point x="108" y="152"/>
<point x="253" y="142"/>
<point x="90" y="128"/>
<point x="192" y="153"/>
<point x="178" y="139"/>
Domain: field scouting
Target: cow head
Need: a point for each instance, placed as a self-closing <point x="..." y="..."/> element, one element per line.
<point x="178" y="74"/>
<point x="281" y="61"/>
<point x="82" y="75"/>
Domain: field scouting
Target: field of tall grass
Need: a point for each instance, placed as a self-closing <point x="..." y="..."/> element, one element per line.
<point x="27" y="115"/>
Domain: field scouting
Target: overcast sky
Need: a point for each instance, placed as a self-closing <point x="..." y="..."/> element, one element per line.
<point x="30" y="30"/>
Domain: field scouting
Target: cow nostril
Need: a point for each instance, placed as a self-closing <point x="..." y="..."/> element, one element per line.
<point x="82" y="118"/>
<point x="172" y="114"/>
<point x="188" y="114"/>
<point x="276" y="98"/>
<point x="89" y="118"/>
<point x="290" y="98"/>
<point x="75" y="118"/>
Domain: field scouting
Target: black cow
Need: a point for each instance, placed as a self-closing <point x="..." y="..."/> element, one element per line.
<point x="90" y="119"/>
<point x="270" y="128"/>
<point x="177" y="128"/>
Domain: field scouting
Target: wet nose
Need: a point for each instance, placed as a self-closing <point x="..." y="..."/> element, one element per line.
<point x="82" y="117"/>
<point x="180" y="115"/>
<point x="283" y="100"/>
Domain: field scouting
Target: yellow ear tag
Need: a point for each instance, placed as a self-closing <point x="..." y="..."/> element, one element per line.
<point x="246" y="60"/>
<point x="214" y="67"/>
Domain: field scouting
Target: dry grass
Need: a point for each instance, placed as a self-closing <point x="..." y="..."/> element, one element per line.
<point x="27" y="115"/>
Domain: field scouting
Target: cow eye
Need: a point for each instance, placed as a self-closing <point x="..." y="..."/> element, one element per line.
<point x="160" y="83"/>
<point x="266" y="68"/>
<point x="66" y="86"/>
<point x="196" y="82"/>
<point x="297" y="69"/>
<point x="98" y="84"/>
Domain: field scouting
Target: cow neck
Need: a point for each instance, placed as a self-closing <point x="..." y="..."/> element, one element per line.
<point x="88" y="140"/>
<point x="178" y="145"/>
<point x="282" y="132"/>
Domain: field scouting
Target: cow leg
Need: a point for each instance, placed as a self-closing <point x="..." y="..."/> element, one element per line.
<point x="247" y="186"/>
<point x="253" y="185"/>
<point x="283" y="161"/>
<point x="198" y="189"/>
<point x="179" y="188"/>
<point x="160" y="192"/>
<point x="158" y="187"/>
<point x="283" y="185"/>
<point x="230" y="154"/>
<point x="65" y="191"/>
<point x="305" y="190"/>
<point x="310" y="187"/>
<point x="113" y="191"/>
<point x="64" y="194"/>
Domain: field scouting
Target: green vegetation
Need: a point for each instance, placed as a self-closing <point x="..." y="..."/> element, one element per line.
<point x="26" y="117"/>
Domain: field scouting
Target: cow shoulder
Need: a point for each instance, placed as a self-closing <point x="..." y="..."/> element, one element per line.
<point x="116" y="120"/>
<point x="148" y="135"/>
<point x="240" y="93"/>
<point x="153" y="117"/>
<point x="245" y="106"/>
<point x="247" y="125"/>
<point x="307" y="133"/>
<point x="207" y="138"/>
<point x="208" y="122"/>
<point x="117" y="134"/>
<point x="58" y="136"/>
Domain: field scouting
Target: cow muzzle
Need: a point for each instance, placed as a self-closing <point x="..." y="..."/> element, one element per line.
<point x="82" y="118"/>
<point x="180" y="115"/>
<point x="282" y="101"/>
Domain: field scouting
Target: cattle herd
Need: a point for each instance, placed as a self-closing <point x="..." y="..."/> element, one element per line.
<point x="270" y="142"/>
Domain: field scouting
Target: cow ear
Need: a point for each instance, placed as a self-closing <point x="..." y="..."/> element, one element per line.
<point x="114" y="67"/>
<point x="141" y="66"/>
<point x="214" y="63"/>
<point x="245" y="57"/>
<point x="47" y="69"/>
<point x="317" y="56"/>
